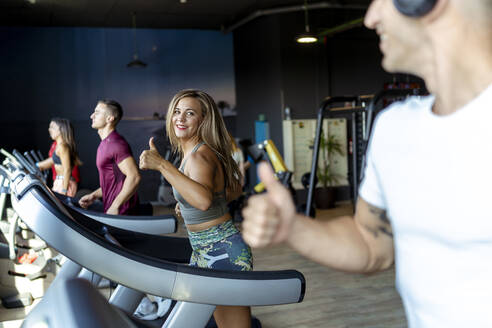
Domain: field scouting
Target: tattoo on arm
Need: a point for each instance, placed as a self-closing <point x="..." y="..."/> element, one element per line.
<point x="381" y="214"/>
<point x="383" y="227"/>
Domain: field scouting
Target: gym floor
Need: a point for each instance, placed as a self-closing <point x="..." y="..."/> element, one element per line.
<point x="333" y="299"/>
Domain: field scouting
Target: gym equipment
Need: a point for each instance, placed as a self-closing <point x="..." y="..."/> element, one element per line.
<point x="33" y="158"/>
<point x="154" y="225"/>
<point x="267" y="150"/>
<point x="86" y="242"/>
<point x="325" y="105"/>
<point x="146" y="224"/>
<point x="361" y="117"/>
<point x="88" y="309"/>
<point x="27" y="165"/>
<point x="414" y="8"/>
<point x="23" y="262"/>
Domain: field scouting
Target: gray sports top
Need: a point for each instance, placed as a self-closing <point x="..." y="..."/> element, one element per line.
<point x="192" y="215"/>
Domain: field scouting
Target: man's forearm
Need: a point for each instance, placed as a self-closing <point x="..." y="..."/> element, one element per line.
<point x="97" y="193"/>
<point x="336" y="243"/>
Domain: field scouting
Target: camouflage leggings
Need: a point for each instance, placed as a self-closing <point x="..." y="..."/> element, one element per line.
<point x="220" y="247"/>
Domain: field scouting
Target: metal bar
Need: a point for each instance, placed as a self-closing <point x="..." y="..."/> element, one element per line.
<point x="319" y="124"/>
<point x="355" y="173"/>
<point x="287" y="9"/>
<point x="341" y="28"/>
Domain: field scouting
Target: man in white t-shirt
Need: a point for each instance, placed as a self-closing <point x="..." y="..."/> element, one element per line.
<point x="424" y="201"/>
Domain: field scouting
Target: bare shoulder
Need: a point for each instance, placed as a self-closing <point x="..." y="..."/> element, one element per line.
<point x="204" y="156"/>
<point x="202" y="167"/>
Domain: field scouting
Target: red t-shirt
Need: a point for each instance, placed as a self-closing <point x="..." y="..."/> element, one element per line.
<point x="75" y="171"/>
<point x="111" y="151"/>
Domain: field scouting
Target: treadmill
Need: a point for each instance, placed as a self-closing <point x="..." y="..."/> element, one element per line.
<point x="87" y="243"/>
<point x="154" y="225"/>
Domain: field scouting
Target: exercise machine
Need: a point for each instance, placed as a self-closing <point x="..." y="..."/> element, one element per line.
<point x="86" y="242"/>
<point x="267" y="150"/>
<point x="361" y="116"/>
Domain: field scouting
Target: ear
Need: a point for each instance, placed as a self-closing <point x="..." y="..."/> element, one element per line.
<point x="436" y="12"/>
<point x="110" y="119"/>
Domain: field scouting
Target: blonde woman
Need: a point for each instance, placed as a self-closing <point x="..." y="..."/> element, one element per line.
<point x="206" y="180"/>
<point x="64" y="158"/>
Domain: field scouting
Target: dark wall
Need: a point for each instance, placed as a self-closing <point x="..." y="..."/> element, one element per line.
<point x="259" y="69"/>
<point x="62" y="72"/>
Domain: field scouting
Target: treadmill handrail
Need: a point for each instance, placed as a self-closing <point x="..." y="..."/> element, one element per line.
<point x="156" y="225"/>
<point x="33" y="169"/>
<point x="149" y="224"/>
<point x="10" y="157"/>
<point x="40" y="211"/>
<point x="24" y="161"/>
<point x="28" y="156"/>
<point x="4" y="172"/>
<point x="35" y="156"/>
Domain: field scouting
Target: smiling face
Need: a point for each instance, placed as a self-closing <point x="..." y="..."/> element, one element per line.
<point x="186" y="118"/>
<point x="53" y="130"/>
<point x="400" y="37"/>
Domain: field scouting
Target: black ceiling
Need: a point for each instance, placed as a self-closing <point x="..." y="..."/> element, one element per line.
<point x="196" y="14"/>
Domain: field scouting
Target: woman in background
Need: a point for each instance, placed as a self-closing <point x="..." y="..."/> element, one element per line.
<point x="237" y="155"/>
<point x="64" y="158"/>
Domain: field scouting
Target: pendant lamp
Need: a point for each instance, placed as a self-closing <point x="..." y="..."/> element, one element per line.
<point x="135" y="63"/>
<point x="307" y="36"/>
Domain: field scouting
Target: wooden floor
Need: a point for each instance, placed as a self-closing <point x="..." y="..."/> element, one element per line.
<point x="333" y="299"/>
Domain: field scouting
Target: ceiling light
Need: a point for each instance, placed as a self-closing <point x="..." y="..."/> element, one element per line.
<point x="135" y="62"/>
<point x="306" y="37"/>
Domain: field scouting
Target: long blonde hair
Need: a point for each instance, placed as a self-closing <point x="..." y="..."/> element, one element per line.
<point x="212" y="132"/>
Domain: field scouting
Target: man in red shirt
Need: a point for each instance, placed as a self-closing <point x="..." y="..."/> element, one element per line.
<point x="118" y="173"/>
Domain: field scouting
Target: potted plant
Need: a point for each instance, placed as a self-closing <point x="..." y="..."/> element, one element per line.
<point x="327" y="177"/>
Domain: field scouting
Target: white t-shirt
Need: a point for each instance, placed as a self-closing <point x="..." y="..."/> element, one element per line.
<point x="433" y="175"/>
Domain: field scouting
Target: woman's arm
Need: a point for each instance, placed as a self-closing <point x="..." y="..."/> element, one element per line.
<point x="64" y="154"/>
<point x="201" y="168"/>
<point x="197" y="186"/>
<point x="45" y="164"/>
